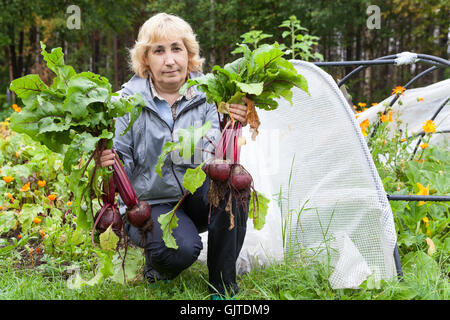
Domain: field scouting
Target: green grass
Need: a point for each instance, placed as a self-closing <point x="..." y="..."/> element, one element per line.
<point x="288" y="280"/>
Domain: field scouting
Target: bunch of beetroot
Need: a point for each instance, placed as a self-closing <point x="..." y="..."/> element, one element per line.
<point x="138" y="212"/>
<point x="229" y="179"/>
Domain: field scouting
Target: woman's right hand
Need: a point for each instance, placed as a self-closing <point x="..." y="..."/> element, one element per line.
<point x="106" y="158"/>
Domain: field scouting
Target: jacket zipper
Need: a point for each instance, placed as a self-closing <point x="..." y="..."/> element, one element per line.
<point x="196" y="104"/>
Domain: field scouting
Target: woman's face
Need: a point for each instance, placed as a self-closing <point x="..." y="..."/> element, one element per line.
<point x="168" y="62"/>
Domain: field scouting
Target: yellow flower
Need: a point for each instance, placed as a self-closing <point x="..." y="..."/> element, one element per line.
<point x="25" y="187"/>
<point x="403" y="140"/>
<point x="37" y="220"/>
<point x="41" y="183"/>
<point x="364" y="124"/>
<point x="8" y="179"/>
<point x="52" y="197"/>
<point x="390" y="113"/>
<point x="362" y="104"/>
<point x="426" y="221"/>
<point x="424" y="145"/>
<point x="398" y="90"/>
<point x="423" y="192"/>
<point x="374" y="103"/>
<point x="69" y="203"/>
<point x="16" y="108"/>
<point x="429" y="126"/>
<point x="10" y="196"/>
<point x="419" y="99"/>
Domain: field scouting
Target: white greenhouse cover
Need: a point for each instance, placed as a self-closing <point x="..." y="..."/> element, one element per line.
<point x="415" y="107"/>
<point x="333" y="201"/>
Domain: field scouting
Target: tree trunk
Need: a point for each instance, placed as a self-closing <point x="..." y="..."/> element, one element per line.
<point x="212" y="52"/>
<point x="95" y="50"/>
<point x="37" y="48"/>
<point x="116" y="63"/>
<point x="20" y="57"/>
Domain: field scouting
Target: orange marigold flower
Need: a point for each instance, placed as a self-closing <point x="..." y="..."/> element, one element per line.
<point x="403" y="140"/>
<point x="25" y="187"/>
<point x="374" y="103"/>
<point x="16" y="108"/>
<point x="390" y="113"/>
<point x="362" y="104"/>
<point x="19" y="236"/>
<point x="398" y="90"/>
<point x="52" y="197"/>
<point x="42" y="233"/>
<point x="38" y="250"/>
<point x="424" y="145"/>
<point x="69" y="203"/>
<point x="429" y="126"/>
<point x="37" y="220"/>
<point x="41" y="183"/>
<point x="10" y="196"/>
<point x="364" y="124"/>
<point x="8" y="179"/>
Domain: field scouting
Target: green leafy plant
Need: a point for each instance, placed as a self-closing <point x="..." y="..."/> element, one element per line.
<point x="257" y="79"/>
<point x="300" y="45"/>
<point x="74" y="116"/>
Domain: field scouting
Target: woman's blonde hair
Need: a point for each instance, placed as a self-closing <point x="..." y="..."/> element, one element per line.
<point x="163" y="26"/>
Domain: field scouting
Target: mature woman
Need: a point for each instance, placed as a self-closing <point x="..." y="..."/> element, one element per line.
<point x="165" y="55"/>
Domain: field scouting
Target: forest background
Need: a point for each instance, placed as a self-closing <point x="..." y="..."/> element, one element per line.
<point x="95" y="35"/>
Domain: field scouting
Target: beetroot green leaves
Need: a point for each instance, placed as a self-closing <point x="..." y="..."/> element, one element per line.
<point x="70" y="117"/>
<point x="262" y="75"/>
<point x="75" y="110"/>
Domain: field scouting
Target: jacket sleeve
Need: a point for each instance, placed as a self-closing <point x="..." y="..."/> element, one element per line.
<point x="213" y="133"/>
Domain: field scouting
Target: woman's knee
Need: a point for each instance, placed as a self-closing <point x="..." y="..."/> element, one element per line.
<point x="174" y="261"/>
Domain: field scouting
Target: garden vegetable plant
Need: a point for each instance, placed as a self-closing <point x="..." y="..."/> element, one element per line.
<point x="74" y="116"/>
<point x="257" y="79"/>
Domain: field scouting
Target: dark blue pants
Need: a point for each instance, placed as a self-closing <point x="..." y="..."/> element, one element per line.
<point x="194" y="214"/>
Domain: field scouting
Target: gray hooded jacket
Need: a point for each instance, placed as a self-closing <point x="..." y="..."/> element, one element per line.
<point x="140" y="147"/>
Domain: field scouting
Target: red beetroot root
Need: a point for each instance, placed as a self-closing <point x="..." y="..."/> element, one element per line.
<point x="240" y="178"/>
<point x="219" y="170"/>
<point x="109" y="217"/>
<point x="139" y="214"/>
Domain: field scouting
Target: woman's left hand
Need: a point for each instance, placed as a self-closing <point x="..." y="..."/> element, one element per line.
<point x="239" y="113"/>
